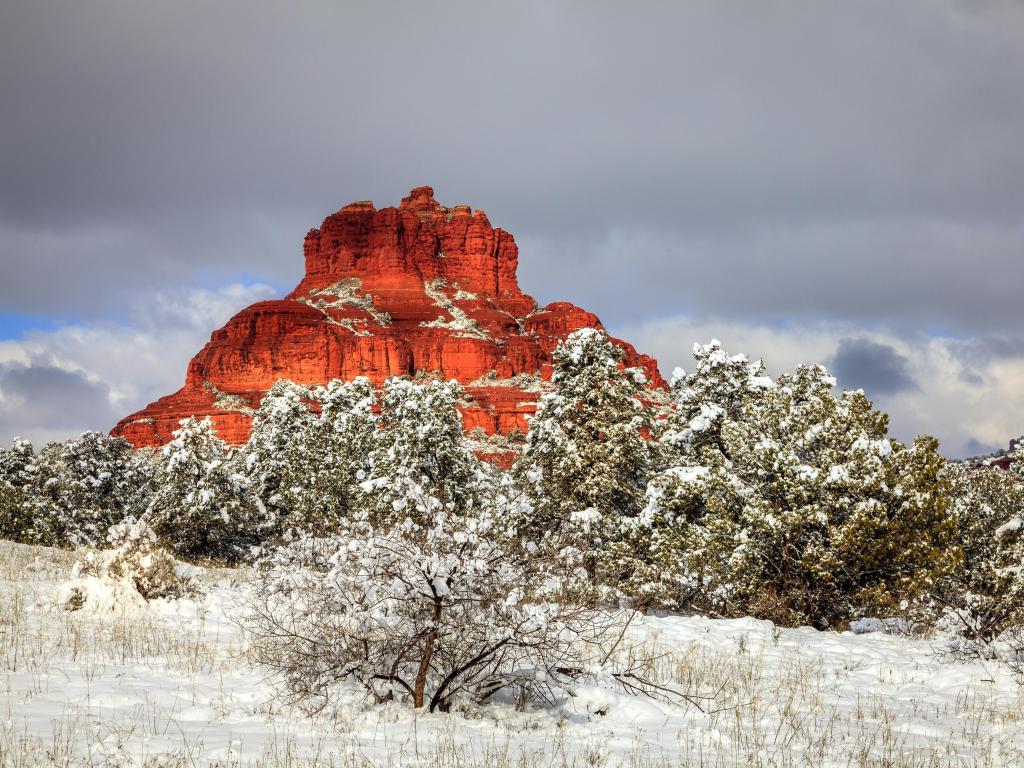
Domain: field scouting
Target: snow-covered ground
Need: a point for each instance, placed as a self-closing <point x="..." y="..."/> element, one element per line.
<point x="168" y="684"/>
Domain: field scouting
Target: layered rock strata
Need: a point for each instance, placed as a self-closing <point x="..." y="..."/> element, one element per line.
<point x="414" y="290"/>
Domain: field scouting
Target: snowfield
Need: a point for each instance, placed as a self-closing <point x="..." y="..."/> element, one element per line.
<point x="168" y="684"/>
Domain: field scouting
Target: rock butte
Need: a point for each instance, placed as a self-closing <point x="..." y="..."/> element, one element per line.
<point x="416" y="290"/>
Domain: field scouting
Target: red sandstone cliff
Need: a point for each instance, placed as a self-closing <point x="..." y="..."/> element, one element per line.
<point x="417" y="289"/>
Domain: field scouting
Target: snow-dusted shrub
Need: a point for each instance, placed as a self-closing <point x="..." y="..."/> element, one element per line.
<point x="50" y="523"/>
<point x="1013" y="654"/>
<point x="336" y="454"/>
<point x="17" y="474"/>
<point x="134" y="562"/>
<point x="586" y="462"/>
<point x="276" y="444"/>
<point x="982" y="599"/>
<point x="428" y="611"/>
<point x="789" y="502"/>
<point x="101" y="481"/>
<point x="308" y="452"/>
<point x="202" y="507"/>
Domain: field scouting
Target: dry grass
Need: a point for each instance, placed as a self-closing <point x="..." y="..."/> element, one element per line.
<point x="764" y="703"/>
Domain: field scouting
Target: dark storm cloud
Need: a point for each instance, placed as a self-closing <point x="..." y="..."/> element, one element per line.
<point x="39" y="397"/>
<point x="844" y="160"/>
<point x="975" y="447"/>
<point x="876" y="368"/>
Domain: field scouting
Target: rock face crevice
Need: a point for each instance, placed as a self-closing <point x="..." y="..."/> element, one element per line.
<point x="420" y="290"/>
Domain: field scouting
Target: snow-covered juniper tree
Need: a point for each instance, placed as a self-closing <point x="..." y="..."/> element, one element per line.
<point x="587" y="459"/>
<point x="326" y="465"/>
<point x="279" y="431"/>
<point x="19" y="473"/>
<point x="420" y="462"/>
<point x="70" y="493"/>
<point x="309" y="450"/>
<point x="201" y="507"/>
<point x="712" y="396"/>
<point x="789" y="502"/>
<point x="101" y="480"/>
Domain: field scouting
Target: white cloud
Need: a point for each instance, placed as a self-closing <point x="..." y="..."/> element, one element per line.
<point x="58" y="383"/>
<point x="87" y="375"/>
<point x="985" y="407"/>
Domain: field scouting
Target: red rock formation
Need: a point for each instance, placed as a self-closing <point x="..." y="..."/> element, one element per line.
<point x="417" y="289"/>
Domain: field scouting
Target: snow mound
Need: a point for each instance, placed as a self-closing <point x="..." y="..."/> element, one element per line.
<point x="126" y="577"/>
<point x="96" y="595"/>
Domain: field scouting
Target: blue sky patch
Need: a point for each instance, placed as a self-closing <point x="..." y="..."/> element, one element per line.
<point x="14" y="325"/>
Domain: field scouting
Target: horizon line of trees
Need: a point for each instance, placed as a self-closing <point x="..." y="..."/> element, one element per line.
<point x="776" y="498"/>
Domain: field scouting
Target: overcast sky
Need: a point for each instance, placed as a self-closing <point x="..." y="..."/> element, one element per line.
<point x="807" y="181"/>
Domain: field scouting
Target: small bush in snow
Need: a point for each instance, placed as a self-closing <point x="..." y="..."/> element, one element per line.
<point x="136" y="558"/>
<point x="424" y="613"/>
<point x="134" y="570"/>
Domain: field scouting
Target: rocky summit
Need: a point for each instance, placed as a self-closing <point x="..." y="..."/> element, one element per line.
<point x="418" y="290"/>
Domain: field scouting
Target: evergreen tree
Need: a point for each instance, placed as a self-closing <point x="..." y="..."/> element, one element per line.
<point x="586" y="461"/>
<point x="715" y="394"/>
<point x="420" y="463"/>
<point x="100" y="480"/>
<point x="18" y="483"/>
<point x="279" y="438"/>
<point x="325" y="466"/>
<point x="789" y="502"/>
<point x="52" y="526"/>
<point x="984" y="596"/>
<point x="201" y="507"/>
<point x="69" y="494"/>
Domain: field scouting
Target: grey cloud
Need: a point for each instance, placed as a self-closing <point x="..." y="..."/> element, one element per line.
<point x="876" y="368"/>
<point x="856" y="161"/>
<point x="41" y="400"/>
<point x="975" y="355"/>
<point x="975" y="447"/>
<point x="913" y="275"/>
<point x="984" y="349"/>
<point x="851" y="165"/>
<point x="971" y="376"/>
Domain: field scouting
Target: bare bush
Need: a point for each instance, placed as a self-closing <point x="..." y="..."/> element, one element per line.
<point x="1014" y="653"/>
<point x="427" y="613"/>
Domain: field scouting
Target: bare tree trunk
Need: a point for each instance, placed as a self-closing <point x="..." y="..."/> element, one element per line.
<point x="428" y="652"/>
